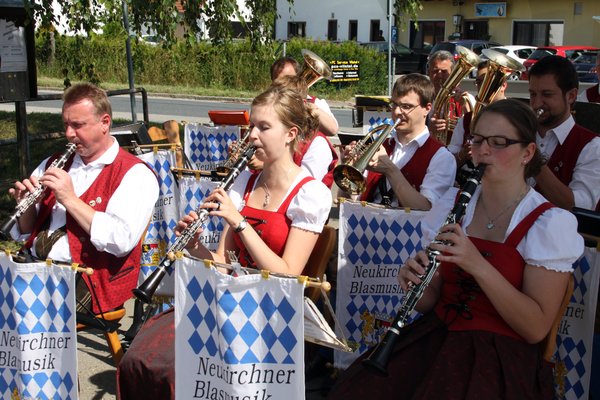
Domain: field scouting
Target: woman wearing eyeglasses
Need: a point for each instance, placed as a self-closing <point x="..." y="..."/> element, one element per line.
<point x="499" y="287"/>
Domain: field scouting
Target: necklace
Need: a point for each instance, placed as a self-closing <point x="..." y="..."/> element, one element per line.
<point x="491" y="224"/>
<point x="267" y="195"/>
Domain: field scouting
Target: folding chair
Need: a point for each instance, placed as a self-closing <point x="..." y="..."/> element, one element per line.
<point x="549" y="342"/>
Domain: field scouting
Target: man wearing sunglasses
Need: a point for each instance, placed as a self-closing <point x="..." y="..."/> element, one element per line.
<point x="411" y="169"/>
<point x="571" y="178"/>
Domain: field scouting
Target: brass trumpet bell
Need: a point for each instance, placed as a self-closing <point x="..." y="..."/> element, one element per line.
<point x="314" y="68"/>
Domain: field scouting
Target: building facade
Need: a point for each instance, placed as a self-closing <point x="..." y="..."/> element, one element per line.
<point x="526" y="22"/>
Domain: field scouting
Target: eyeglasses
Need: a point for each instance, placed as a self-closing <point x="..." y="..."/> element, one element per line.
<point x="496" y="142"/>
<point x="404" y="107"/>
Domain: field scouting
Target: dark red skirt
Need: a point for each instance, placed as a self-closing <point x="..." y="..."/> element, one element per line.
<point x="147" y="370"/>
<point x="430" y="362"/>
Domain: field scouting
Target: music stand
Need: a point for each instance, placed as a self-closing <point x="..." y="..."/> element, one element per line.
<point x="588" y="225"/>
<point x="229" y="117"/>
<point x="131" y="135"/>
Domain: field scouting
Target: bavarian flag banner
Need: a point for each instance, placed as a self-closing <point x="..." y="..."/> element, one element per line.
<point x="573" y="357"/>
<point x="237" y="337"/>
<point x="373" y="243"/>
<point x="206" y="146"/>
<point x="38" y="343"/>
<point x="161" y="230"/>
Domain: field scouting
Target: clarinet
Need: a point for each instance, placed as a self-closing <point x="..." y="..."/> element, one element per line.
<point x="379" y="358"/>
<point x="146" y="290"/>
<point x="34" y="196"/>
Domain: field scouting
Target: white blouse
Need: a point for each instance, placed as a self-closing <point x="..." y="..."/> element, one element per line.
<point x="551" y="242"/>
<point x="308" y="210"/>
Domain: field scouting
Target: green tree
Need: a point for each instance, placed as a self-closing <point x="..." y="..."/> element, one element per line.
<point x="162" y="16"/>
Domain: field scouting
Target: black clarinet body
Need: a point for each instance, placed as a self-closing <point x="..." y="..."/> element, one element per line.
<point x="146" y="290"/>
<point x="379" y="358"/>
<point x="32" y="198"/>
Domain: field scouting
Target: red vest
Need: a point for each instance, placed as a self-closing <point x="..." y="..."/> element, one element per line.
<point x="113" y="277"/>
<point x="272" y="226"/>
<point x="592" y="94"/>
<point x="414" y="171"/>
<point x="467" y="118"/>
<point x="303" y="148"/>
<point x="463" y="305"/>
<point x="563" y="159"/>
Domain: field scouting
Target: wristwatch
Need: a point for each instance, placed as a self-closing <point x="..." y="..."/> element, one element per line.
<point x="241" y="226"/>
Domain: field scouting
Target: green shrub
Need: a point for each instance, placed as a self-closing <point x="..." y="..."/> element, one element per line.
<point x="101" y="58"/>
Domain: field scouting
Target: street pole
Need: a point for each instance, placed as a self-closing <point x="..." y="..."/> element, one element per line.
<point x="129" y="63"/>
<point x="390" y="73"/>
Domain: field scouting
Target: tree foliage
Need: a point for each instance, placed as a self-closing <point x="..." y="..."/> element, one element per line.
<point x="162" y="16"/>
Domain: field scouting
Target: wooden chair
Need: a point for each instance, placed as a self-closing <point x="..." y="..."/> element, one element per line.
<point x="549" y="342"/>
<point x="108" y="323"/>
<point x="317" y="262"/>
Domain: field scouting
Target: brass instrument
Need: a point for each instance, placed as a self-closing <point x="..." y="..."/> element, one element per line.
<point x="441" y="105"/>
<point x="500" y="68"/>
<point x="314" y="68"/>
<point x="349" y="177"/>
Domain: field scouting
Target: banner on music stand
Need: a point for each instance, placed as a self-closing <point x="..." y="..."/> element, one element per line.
<point x="573" y="357"/>
<point x="372" y="119"/>
<point x="237" y="337"/>
<point x="38" y="343"/>
<point x="374" y="242"/>
<point x="206" y="146"/>
<point x="161" y="230"/>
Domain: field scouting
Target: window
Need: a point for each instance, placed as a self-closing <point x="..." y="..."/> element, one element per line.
<point x="352" y="29"/>
<point x="538" y="33"/>
<point x="428" y="34"/>
<point x="296" y="29"/>
<point x="376" y="34"/>
<point x="332" y="33"/>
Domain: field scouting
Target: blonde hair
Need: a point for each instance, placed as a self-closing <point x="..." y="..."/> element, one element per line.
<point x="289" y="105"/>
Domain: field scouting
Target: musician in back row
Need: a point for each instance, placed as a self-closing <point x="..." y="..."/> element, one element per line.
<point x="571" y="178"/>
<point x="272" y="221"/>
<point x="503" y="274"/>
<point x="96" y="209"/>
<point x="411" y="169"/>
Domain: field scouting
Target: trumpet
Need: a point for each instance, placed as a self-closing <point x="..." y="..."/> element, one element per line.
<point x="441" y="104"/>
<point x="379" y="358"/>
<point x="349" y="177"/>
<point x="34" y="196"/>
<point x="146" y="290"/>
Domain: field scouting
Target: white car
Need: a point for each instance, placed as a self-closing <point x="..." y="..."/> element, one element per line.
<point x="519" y="53"/>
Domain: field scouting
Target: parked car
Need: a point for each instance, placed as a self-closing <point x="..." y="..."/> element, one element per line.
<point x="475" y="45"/>
<point x="407" y="60"/>
<point x="586" y="66"/>
<point x="569" y="52"/>
<point x="516" y="52"/>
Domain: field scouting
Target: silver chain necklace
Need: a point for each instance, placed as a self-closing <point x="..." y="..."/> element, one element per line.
<point x="491" y="225"/>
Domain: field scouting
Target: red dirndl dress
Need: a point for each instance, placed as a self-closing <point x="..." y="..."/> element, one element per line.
<point x="463" y="349"/>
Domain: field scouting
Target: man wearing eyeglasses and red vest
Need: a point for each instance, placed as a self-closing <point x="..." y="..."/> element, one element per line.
<point x="411" y="169"/>
<point x="571" y="178"/>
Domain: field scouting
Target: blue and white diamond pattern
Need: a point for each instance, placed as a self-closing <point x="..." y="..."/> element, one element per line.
<point x="206" y="146"/>
<point x="372" y="119"/>
<point x="575" y="337"/>
<point x="36" y="301"/>
<point x="371" y="238"/>
<point x="242" y="320"/>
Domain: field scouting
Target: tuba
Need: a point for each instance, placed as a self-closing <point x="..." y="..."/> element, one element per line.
<point x="349" y="177"/>
<point x="499" y="69"/>
<point x="441" y="105"/>
<point x="314" y="68"/>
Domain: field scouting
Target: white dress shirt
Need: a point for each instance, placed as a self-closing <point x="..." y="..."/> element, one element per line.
<point x="119" y="228"/>
<point x="317" y="158"/>
<point x="440" y="174"/>
<point x="552" y="242"/>
<point x="585" y="183"/>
